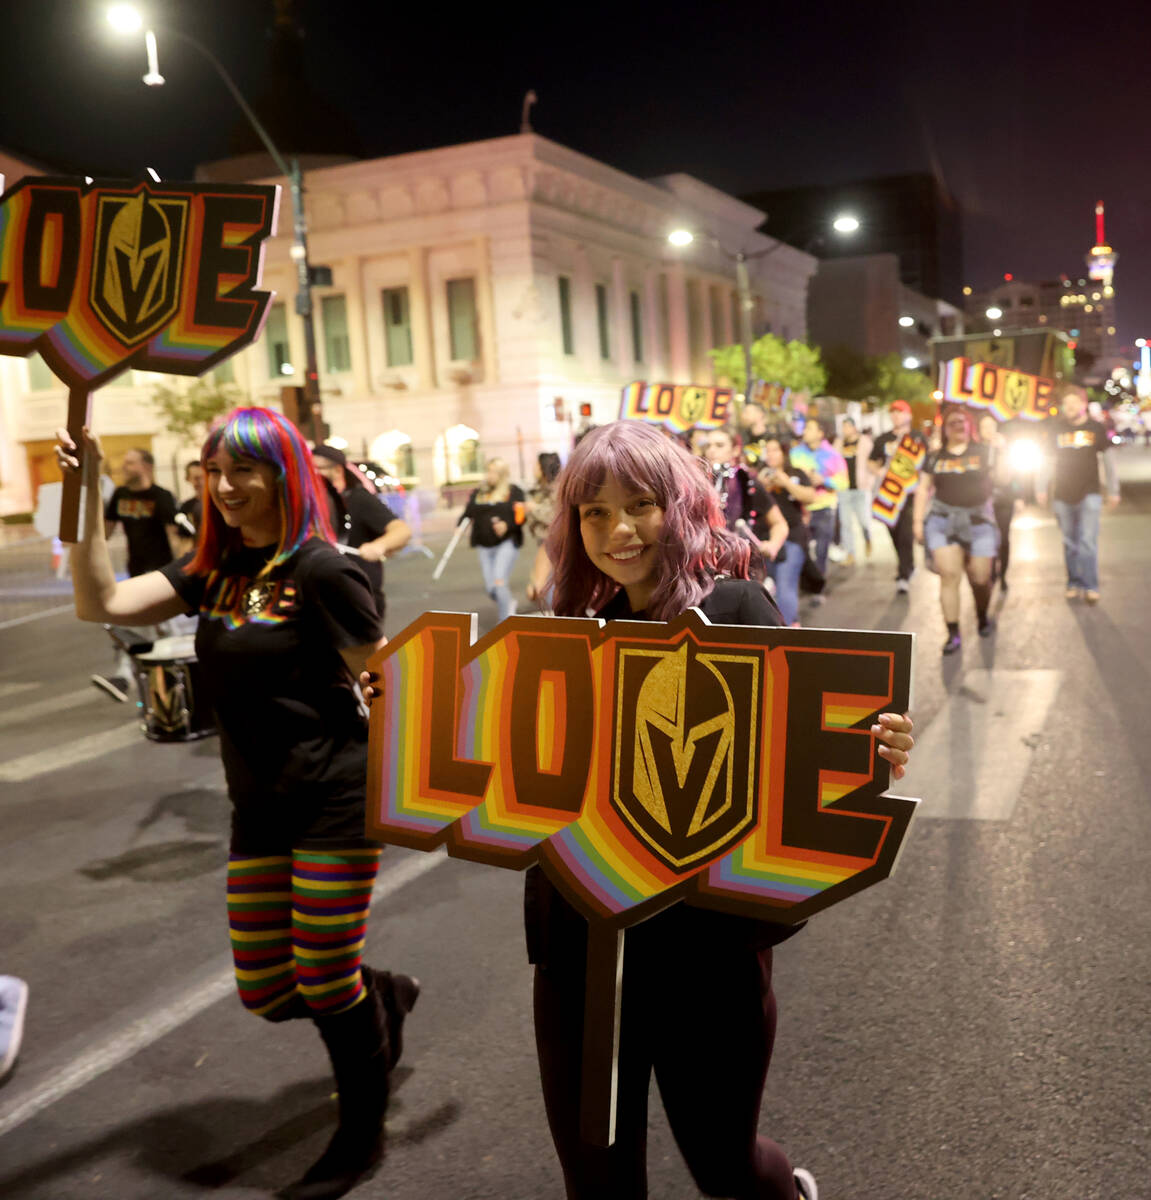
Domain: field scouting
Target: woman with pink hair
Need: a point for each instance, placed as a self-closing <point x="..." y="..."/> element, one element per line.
<point x="638" y="534"/>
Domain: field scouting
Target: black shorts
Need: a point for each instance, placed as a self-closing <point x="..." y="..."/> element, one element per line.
<point x="280" y="826"/>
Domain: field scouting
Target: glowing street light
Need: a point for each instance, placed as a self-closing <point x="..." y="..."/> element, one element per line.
<point x="907" y="322"/>
<point x="911" y="362"/>
<point x="845" y="223"/>
<point x="125" y="18"/>
<point x="681" y="237"/>
<point x="994" y="313"/>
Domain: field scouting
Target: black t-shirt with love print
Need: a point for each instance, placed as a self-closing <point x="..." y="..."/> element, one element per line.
<point x="291" y="729"/>
<point x="962" y="480"/>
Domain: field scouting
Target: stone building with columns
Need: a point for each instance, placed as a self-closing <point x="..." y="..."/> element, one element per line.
<point x="480" y="295"/>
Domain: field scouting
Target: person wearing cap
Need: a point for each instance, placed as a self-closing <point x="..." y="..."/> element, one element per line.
<point x="362" y="521"/>
<point x="903" y="531"/>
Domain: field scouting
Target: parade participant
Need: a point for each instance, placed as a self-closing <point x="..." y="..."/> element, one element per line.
<point x="497" y="513"/>
<point x="191" y="511"/>
<point x="1079" y="446"/>
<point x="791" y="489"/>
<point x="742" y="497"/>
<point x="148" y="514"/>
<point x="855" y="499"/>
<point x="286" y="624"/>
<point x="827" y="471"/>
<point x="369" y="525"/>
<point x="954" y="521"/>
<point x="902" y="532"/>
<point x="639" y="535"/>
<point x="1004" y="493"/>
<point x="540" y="511"/>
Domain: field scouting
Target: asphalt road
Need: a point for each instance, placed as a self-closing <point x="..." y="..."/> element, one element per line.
<point x="976" y="1027"/>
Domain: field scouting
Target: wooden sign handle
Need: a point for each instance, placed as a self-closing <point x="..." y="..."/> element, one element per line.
<point x="602" y="988"/>
<point x="79" y="415"/>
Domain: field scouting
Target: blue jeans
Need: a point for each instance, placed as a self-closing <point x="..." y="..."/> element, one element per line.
<point x="1079" y="524"/>
<point x="786" y="575"/>
<point x="854" y="507"/>
<point x="823" y="533"/>
<point x="496" y="562"/>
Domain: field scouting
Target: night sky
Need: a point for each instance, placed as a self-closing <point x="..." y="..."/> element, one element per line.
<point x="1029" y="111"/>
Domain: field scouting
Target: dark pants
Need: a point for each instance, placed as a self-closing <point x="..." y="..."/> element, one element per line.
<point x="903" y="536"/>
<point x="1004" y="511"/>
<point x="822" y="533"/>
<point x="703" y="1018"/>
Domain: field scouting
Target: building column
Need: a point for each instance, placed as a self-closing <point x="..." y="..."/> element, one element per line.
<point x="679" y="352"/>
<point x="485" y="307"/>
<point x="423" y="349"/>
<point x="357" y="326"/>
<point x="621" y="323"/>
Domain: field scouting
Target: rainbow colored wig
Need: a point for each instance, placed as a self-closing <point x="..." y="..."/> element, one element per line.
<point x="694" y="544"/>
<point x="268" y="437"/>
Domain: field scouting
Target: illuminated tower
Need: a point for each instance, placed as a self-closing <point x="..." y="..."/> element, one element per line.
<point x="1101" y="260"/>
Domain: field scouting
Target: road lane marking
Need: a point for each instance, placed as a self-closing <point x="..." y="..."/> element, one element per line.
<point x="973" y="759"/>
<point x="15" y="689"/>
<point x="95" y="745"/>
<point x="51" y="705"/>
<point x="36" y="616"/>
<point x="148" y="1029"/>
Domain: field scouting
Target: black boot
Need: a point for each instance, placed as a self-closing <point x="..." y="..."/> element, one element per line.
<point x="398" y="995"/>
<point x="357" y="1043"/>
<point x="295" y="1010"/>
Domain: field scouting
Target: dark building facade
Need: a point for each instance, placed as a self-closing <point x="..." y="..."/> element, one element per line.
<point x="911" y="216"/>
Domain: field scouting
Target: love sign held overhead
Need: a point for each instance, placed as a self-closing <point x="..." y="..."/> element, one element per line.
<point x="104" y="276"/>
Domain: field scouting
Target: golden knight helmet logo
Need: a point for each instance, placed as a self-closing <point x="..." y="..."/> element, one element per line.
<point x="686" y="749"/>
<point x="138" y="263"/>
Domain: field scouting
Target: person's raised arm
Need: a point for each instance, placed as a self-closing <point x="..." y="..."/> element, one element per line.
<point x="99" y="596"/>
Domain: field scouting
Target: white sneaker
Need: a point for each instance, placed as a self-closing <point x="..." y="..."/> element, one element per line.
<point x="13" y="1003"/>
<point x="903" y="586"/>
<point x="805" y="1185"/>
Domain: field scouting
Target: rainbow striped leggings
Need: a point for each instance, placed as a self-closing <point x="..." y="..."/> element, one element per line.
<point x="297" y="924"/>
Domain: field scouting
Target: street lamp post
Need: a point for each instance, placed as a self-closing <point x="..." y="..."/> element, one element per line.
<point x="125" y="19"/>
<point x="843" y="224"/>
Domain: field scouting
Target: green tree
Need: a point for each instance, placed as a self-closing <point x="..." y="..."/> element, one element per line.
<point x="893" y="381"/>
<point x="794" y="364"/>
<point x="850" y="373"/>
<point x="189" y="410"/>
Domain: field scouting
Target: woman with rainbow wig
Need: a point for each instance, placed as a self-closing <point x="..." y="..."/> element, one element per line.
<point x="286" y="623"/>
<point x="638" y="534"/>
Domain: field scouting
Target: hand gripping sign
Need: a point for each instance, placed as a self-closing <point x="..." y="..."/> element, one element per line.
<point x="731" y="767"/>
<point x="104" y="276"/>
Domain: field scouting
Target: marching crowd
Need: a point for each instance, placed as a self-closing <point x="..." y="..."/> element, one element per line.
<point x="639" y="525"/>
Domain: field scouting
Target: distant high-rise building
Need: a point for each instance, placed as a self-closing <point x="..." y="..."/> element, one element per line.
<point x="912" y="216"/>
<point x="1081" y="305"/>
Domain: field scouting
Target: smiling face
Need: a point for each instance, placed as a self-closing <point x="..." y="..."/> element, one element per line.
<point x="620" y="530"/>
<point x="245" y="493"/>
<point x="955" y="428"/>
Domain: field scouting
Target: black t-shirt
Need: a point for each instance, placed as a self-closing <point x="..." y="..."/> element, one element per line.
<point x="848" y="451"/>
<point x="193" y="509"/>
<point x="887" y="444"/>
<point x="791" y="508"/>
<point x="482" y="514"/>
<point x="745" y="499"/>
<point x="553" y="924"/>
<point x="1076" y="451"/>
<point x="145" y="515"/>
<point x="367" y="519"/>
<point x="291" y="731"/>
<point x="962" y="480"/>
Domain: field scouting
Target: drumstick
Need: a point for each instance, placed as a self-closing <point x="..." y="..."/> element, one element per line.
<point x="348" y="550"/>
<point x="459" y="533"/>
<point x="741" y="526"/>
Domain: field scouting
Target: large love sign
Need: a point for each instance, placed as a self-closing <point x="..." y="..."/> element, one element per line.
<point x="104" y="276"/>
<point x="678" y="407"/>
<point x="731" y="767"/>
<point x="1002" y="391"/>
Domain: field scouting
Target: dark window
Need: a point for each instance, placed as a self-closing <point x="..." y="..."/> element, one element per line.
<point x="601" y="317"/>
<point x="565" y="285"/>
<point x="715" y="301"/>
<point x="337" y="351"/>
<point x="276" y="339"/>
<point x="636" y="327"/>
<point x="462" y="320"/>
<point x="397" y="327"/>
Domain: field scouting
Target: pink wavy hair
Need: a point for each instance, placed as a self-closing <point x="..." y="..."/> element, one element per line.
<point x="694" y="544"/>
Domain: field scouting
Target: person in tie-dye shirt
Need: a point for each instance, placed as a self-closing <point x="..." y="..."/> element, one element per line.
<point x="827" y="471"/>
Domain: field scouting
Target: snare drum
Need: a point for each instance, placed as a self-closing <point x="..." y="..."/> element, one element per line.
<point x="170" y="688"/>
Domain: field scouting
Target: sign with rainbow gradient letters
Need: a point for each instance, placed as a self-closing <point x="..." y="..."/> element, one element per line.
<point x="640" y="763"/>
<point x="99" y="277"/>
